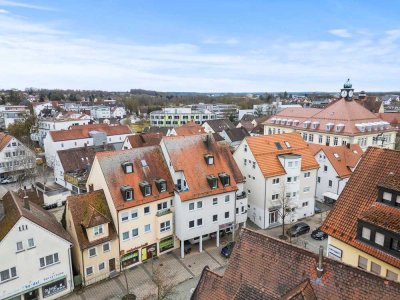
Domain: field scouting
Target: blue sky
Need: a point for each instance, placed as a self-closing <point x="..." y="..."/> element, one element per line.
<point x="203" y="46"/>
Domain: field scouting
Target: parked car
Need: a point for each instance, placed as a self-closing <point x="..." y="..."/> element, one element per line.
<point x="9" y="179"/>
<point x="298" y="229"/>
<point x="227" y="250"/>
<point x="317" y="210"/>
<point x="318" y="234"/>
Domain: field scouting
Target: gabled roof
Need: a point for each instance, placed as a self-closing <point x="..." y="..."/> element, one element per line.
<point x="265" y="151"/>
<point x="348" y="113"/>
<point x="144" y="139"/>
<point x="219" y="125"/>
<point x="372" y="103"/>
<point x="189" y="129"/>
<point x="14" y="209"/>
<point x="79" y="158"/>
<point x="4" y="140"/>
<point x="148" y="165"/>
<point x="153" y="129"/>
<point x="236" y="134"/>
<point x="359" y="196"/>
<point x="262" y="267"/>
<point x="82" y="131"/>
<point x="187" y="155"/>
<point x="342" y="158"/>
<point x="89" y="210"/>
<point x="246" y="124"/>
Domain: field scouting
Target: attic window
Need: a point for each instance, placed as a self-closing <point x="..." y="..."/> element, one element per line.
<point x="225" y="179"/>
<point x="336" y="155"/>
<point x="161" y="185"/>
<point x="127" y="192"/>
<point x="212" y="181"/>
<point x="306" y="123"/>
<point x="329" y="126"/>
<point x="288" y="145"/>
<point x="145" y="188"/>
<point x="339" y="127"/>
<point x="278" y="146"/>
<point x="144" y="163"/>
<point x="209" y="159"/>
<point x="315" y="125"/>
<point x="128" y="167"/>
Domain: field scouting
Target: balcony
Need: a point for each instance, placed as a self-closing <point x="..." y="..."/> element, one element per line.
<point x="163" y="212"/>
<point x="243" y="195"/>
<point x="77" y="178"/>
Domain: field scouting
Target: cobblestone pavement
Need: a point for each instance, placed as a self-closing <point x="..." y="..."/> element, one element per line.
<point x="184" y="273"/>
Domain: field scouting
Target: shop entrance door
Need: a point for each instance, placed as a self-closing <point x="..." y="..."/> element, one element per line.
<point x="111" y="264"/>
<point x="32" y="295"/>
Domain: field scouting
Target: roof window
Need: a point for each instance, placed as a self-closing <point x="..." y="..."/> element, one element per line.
<point x="127" y="192"/>
<point x="209" y="159"/>
<point x="225" y="179"/>
<point x="127" y="167"/>
<point x="278" y="146"/>
<point x="161" y="185"/>
<point x="212" y="181"/>
<point x="288" y="145"/>
<point x="336" y="155"/>
<point x="145" y="188"/>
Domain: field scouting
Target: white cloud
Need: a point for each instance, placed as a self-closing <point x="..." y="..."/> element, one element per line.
<point x="343" y="33"/>
<point x="3" y="11"/>
<point x="221" y="41"/>
<point x="23" y="5"/>
<point x="39" y="55"/>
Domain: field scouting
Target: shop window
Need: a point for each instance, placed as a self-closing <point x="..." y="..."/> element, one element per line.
<point x="54" y="287"/>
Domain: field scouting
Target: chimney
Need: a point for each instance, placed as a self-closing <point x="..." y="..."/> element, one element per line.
<point x="26" y="201"/>
<point x="348" y="145"/>
<point x="104" y="146"/>
<point x="85" y="146"/>
<point x="320" y="269"/>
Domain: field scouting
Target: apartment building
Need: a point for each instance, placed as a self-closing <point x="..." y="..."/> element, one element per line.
<point x="176" y="116"/>
<point x="281" y="174"/>
<point x="96" y="250"/>
<point x="35" y="252"/>
<point x="209" y="195"/>
<point x="139" y="191"/>
<point x="336" y="164"/>
<point x="79" y="136"/>
<point x="9" y="114"/>
<point x="15" y="157"/>
<point x="344" y="121"/>
<point x="363" y="226"/>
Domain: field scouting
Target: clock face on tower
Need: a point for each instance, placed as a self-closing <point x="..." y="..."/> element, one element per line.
<point x="344" y="93"/>
<point x="350" y="93"/>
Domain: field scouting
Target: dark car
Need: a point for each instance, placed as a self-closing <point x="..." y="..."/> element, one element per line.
<point x="318" y="234"/>
<point x="298" y="229"/>
<point x="317" y="210"/>
<point x="227" y="250"/>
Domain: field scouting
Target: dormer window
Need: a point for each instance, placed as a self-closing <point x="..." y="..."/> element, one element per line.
<point x="387" y="197"/>
<point x="161" y="185"/>
<point x="212" y="181"/>
<point x="145" y="188"/>
<point x="127" y="167"/>
<point x="225" y="179"/>
<point x="209" y="159"/>
<point x="306" y="123"/>
<point x="339" y="127"/>
<point x="329" y="126"/>
<point x="127" y="192"/>
<point x="315" y="125"/>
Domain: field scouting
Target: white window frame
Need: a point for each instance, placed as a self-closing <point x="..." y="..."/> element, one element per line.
<point x="147" y="231"/>
<point x="91" y="273"/>
<point x="109" y="247"/>
<point x="104" y="266"/>
<point x="95" y="252"/>
<point x="98" y="230"/>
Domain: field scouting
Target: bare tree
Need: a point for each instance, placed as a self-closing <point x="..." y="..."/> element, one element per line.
<point x="165" y="287"/>
<point x="285" y="208"/>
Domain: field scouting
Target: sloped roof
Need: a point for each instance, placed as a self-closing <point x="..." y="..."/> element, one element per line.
<point x="342" y="158"/>
<point x="154" y="129"/>
<point x="219" y="125"/>
<point x="4" y="140"/>
<point x="14" y="209"/>
<point x="187" y="155"/>
<point x="392" y="117"/>
<point x="372" y="103"/>
<point x="348" y="113"/>
<point x="189" y="129"/>
<point x="246" y="124"/>
<point x="89" y="210"/>
<point x="268" y="268"/>
<point x="144" y="139"/>
<point x="237" y="134"/>
<point x="82" y="131"/>
<point x="148" y="165"/>
<point x="266" y="152"/>
<point x="358" y="196"/>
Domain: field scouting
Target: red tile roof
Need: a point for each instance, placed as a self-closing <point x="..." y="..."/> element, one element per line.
<point x="262" y="267"/>
<point x="14" y="209"/>
<point x="144" y="139"/>
<point x="89" y="210"/>
<point x="4" y="140"/>
<point x="348" y="113"/>
<point x="148" y="165"/>
<point x="266" y="152"/>
<point x="189" y="129"/>
<point x="359" y="196"/>
<point x="187" y="155"/>
<point x="82" y="131"/>
<point x="342" y="158"/>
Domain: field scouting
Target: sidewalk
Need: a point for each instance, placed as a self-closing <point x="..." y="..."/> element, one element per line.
<point x="172" y="270"/>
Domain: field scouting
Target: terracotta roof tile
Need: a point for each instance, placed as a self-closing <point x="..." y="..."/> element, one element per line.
<point x="189" y="129"/>
<point x="82" y="131"/>
<point x="359" y="195"/>
<point x="266" y="152"/>
<point x="187" y="155"/>
<point x="4" y="140"/>
<point x="88" y="210"/>
<point x="14" y="209"/>
<point x="145" y="139"/>
<point x="348" y="113"/>
<point x="148" y="165"/>
<point x="383" y="216"/>
<point x="268" y="268"/>
<point x="342" y="158"/>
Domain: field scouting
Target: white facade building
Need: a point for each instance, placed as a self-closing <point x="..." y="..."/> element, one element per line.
<point x="280" y="172"/>
<point x="100" y="112"/>
<point x="35" y="252"/>
<point x="177" y="116"/>
<point x="9" y="114"/>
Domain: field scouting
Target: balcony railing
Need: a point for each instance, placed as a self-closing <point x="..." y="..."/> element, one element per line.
<point x="163" y="212"/>
<point x="241" y="196"/>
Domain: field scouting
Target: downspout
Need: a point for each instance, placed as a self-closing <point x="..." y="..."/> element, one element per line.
<point x="234" y="219"/>
<point x="70" y="268"/>
<point x="265" y="198"/>
<point x="83" y="268"/>
<point x="337" y="190"/>
<point x="119" y="244"/>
